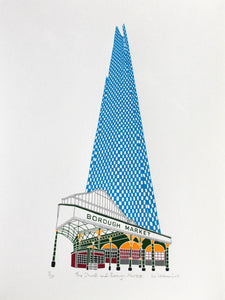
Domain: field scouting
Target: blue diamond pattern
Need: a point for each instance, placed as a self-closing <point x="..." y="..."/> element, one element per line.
<point x="119" y="162"/>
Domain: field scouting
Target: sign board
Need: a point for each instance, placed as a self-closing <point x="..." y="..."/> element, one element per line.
<point x="103" y="221"/>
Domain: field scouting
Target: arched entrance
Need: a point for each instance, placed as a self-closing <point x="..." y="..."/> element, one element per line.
<point x="125" y="253"/>
<point x="106" y="247"/>
<point x="159" y="255"/>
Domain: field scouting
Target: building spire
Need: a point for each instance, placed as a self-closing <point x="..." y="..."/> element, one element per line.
<point x="119" y="163"/>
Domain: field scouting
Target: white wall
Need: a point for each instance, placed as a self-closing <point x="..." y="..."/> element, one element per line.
<point x="54" y="56"/>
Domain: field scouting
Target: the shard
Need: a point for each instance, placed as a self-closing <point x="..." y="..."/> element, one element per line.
<point x="119" y="163"/>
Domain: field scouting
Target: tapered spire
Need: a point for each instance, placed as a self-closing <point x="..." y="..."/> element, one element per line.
<point x="119" y="162"/>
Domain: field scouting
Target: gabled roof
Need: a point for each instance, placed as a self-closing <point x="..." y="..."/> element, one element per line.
<point x="98" y="201"/>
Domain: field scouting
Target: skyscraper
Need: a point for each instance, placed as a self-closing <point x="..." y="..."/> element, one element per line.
<point x="119" y="162"/>
<point x="115" y="221"/>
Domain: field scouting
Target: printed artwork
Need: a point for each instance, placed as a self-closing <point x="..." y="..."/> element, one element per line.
<point x="115" y="221"/>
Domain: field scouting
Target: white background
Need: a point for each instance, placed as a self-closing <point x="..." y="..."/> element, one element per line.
<point x="54" y="56"/>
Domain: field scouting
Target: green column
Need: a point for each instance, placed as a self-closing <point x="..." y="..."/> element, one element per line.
<point x="110" y="252"/>
<point x="93" y="252"/>
<point x="99" y="236"/>
<point x="140" y="256"/>
<point x="118" y="259"/>
<point x="88" y="256"/>
<point x="167" y="257"/>
<point x="153" y="255"/>
<point x="75" y="246"/>
<point x="143" y="260"/>
<point x="130" y="259"/>
<point x="54" y="251"/>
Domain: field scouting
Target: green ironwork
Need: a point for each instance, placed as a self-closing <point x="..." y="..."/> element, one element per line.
<point x="146" y="243"/>
<point x="130" y="259"/>
<point x="83" y="235"/>
<point x="140" y="256"/>
<point x="53" y="263"/>
<point x="118" y="260"/>
<point x="88" y="256"/>
<point x="116" y="219"/>
<point x="110" y="252"/>
<point x="143" y="260"/>
<point x="93" y="252"/>
<point x="99" y="239"/>
<point x="153" y="256"/>
<point x="167" y="258"/>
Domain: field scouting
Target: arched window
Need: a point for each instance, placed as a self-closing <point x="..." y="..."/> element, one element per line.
<point x="125" y="250"/>
<point x="159" y="252"/>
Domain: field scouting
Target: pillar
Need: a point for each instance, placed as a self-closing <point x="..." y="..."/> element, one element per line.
<point x="140" y="251"/>
<point x="167" y="257"/>
<point x="110" y="252"/>
<point x="75" y="246"/>
<point x="99" y="232"/>
<point x="88" y="256"/>
<point x="93" y="252"/>
<point x="79" y="237"/>
<point x="118" y="259"/>
<point x="143" y="260"/>
<point x="54" y="250"/>
<point x="130" y="258"/>
<point x="153" y="255"/>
